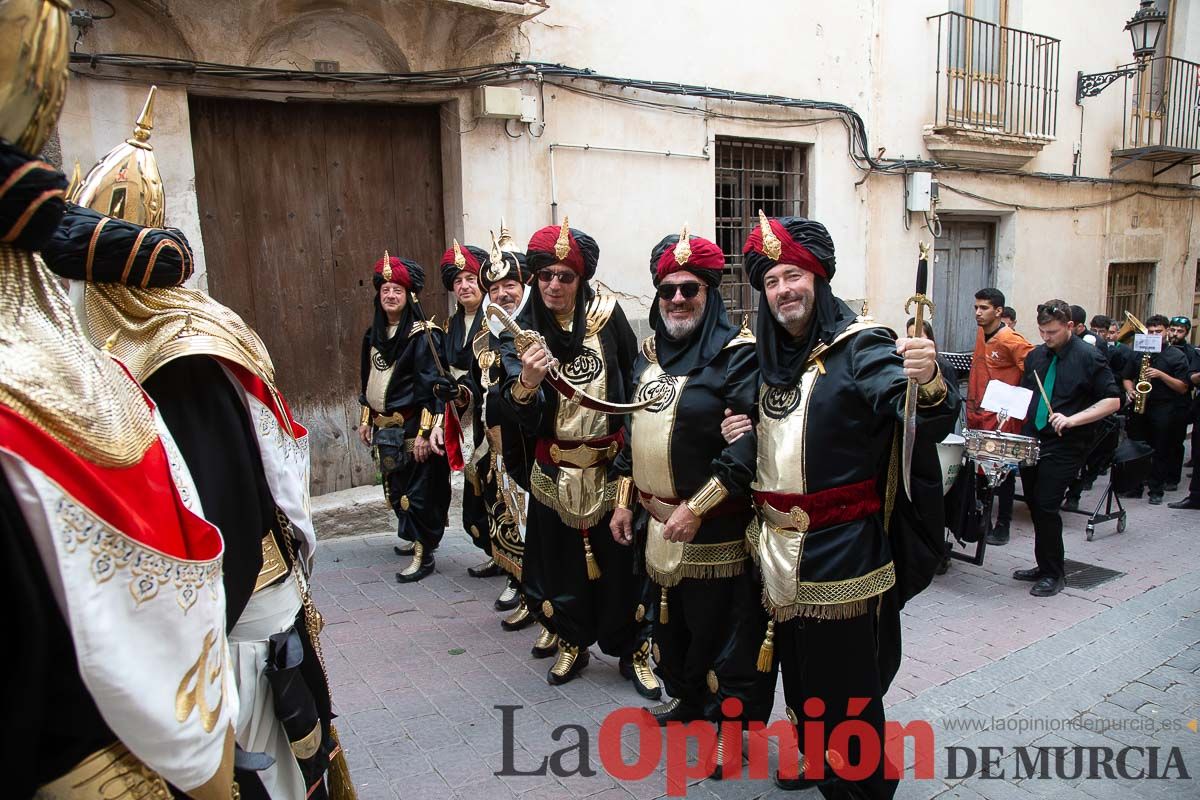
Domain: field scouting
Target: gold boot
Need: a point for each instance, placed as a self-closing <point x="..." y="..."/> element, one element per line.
<point x="546" y="644"/>
<point x="570" y="662"/>
<point x="521" y="618"/>
<point x="636" y="667"/>
<point x="420" y="566"/>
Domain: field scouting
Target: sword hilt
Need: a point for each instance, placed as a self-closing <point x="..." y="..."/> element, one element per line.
<point x="522" y="339"/>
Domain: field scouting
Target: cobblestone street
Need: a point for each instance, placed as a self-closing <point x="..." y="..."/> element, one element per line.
<point x="418" y="671"/>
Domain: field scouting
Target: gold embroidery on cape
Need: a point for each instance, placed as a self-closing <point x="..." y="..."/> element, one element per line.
<point x="192" y="693"/>
<point x="149" y="569"/>
<point x="273" y="565"/>
<point x="599" y="312"/>
<point x="52" y="377"/>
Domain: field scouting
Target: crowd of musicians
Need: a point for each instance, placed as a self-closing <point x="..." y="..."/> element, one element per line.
<point x="711" y="505"/>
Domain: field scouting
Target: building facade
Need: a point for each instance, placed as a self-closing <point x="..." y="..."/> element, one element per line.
<point x="299" y="138"/>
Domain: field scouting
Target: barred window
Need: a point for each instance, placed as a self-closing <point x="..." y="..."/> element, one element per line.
<point x="753" y="174"/>
<point x="1130" y="288"/>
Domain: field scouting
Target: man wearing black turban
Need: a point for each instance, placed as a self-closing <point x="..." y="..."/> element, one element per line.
<point x="696" y="490"/>
<point x="580" y="586"/>
<point x="402" y="417"/>
<point x="840" y="551"/>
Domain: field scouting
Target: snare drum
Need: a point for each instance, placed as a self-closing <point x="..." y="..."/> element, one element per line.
<point x="950" y="455"/>
<point x="1007" y="448"/>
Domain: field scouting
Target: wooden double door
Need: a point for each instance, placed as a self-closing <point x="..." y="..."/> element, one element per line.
<point x="297" y="201"/>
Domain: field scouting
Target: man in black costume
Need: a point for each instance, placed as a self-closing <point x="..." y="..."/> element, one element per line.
<point x="401" y="415"/>
<point x="214" y="385"/>
<point x="839" y="545"/>
<point x="581" y="586"/>
<point x="696" y="489"/>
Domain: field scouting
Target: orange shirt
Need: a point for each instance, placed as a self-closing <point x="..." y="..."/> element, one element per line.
<point x="1000" y="358"/>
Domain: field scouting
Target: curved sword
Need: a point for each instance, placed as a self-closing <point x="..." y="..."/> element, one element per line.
<point x="922" y="301"/>
<point x="523" y="340"/>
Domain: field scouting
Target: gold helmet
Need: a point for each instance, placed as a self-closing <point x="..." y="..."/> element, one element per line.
<point x="126" y="184"/>
<point x="33" y="70"/>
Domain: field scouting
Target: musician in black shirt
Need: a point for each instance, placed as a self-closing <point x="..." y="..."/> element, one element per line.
<point x="1168" y="377"/>
<point x="1081" y="391"/>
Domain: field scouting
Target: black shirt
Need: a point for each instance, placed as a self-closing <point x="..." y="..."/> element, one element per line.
<point x="1171" y="361"/>
<point x="1081" y="379"/>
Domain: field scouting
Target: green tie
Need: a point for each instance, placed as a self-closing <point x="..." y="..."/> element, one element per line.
<point x="1043" y="413"/>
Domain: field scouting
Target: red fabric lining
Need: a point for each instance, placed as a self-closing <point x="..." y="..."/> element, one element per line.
<point x="139" y="501"/>
<point x="834" y="506"/>
<point x="254" y="385"/>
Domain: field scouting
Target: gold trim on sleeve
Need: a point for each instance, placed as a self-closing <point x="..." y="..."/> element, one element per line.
<point x="932" y="393"/>
<point x="364" y="415"/>
<point x="708" y="497"/>
<point x="625" y="492"/>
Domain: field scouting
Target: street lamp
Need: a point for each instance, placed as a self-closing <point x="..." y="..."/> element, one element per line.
<point x="1145" y="28"/>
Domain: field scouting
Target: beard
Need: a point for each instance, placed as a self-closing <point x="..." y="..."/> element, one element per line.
<point x="681" y="329"/>
<point x="796" y="316"/>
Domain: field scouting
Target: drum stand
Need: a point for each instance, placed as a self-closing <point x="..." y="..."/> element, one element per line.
<point x="1106" y="502"/>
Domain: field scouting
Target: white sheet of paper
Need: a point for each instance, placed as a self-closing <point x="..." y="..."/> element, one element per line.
<point x="1147" y="343"/>
<point x="1011" y="400"/>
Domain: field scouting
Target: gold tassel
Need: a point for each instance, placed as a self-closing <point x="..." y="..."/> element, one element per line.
<point x="593" y="568"/>
<point x="766" y="653"/>
<point x="663" y="615"/>
<point x="340" y="785"/>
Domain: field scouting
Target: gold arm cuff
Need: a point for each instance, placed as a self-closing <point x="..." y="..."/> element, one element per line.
<point x="932" y="393"/>
<point x="426" y="419"/>
<point x="364" y="415"/>
<point x="625" y="492"/>
<point x="438" y="419"/>
<point x="708" y="497"/>
<point x="523" y="394"/>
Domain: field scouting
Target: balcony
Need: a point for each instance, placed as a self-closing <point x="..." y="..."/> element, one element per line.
<point x="995" y="93"/>
<point x="1162" y="115"/>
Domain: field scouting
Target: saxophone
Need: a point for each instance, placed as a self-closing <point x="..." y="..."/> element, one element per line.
<point x="1142" y="388"/>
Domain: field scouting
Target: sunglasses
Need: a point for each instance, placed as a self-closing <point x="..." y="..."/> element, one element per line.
<point x="688" y="290"/>
<point x="1055" y="310"/>
<point x="548" y="275"/>
<point x="1181" y="321"/>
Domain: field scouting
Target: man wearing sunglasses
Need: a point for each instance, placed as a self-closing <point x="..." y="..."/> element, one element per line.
<point x="695" y="488"/>
<point x="840" y="547"/>
<point x="581" y="586"/>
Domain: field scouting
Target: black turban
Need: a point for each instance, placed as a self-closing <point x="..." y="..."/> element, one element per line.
<point x="514" y="266"/>
<point x="682" y="356"/>
<point x="88" y="246"/>
<point x="583" y="256"/>
<point x="32" y="206"/>
<point x="450" y="271"/>
<point x="809" y="234"/>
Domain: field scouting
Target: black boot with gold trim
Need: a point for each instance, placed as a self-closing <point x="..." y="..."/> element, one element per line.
<point x="546" y="644"/>
<point x="404" y="548"/>
<point x="510" y="598"/>
<point x="570" y="662"/>
<point x="487" y="569"/>
<point x="422" y="564"/>
<point x="520" y="619"/>
<point x="636" y="667"/>
<point x="674" y="710"/>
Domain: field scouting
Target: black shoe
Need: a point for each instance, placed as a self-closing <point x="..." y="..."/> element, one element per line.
<point x="570" y="662"/>
<point x="1155" y="500"/>
<point x="1136" y="494"/>
<point x="944" y="566"/>
<point x="421" y="566"/>
<point x="405" y="549"/>
<point x="998" y="535"/>
<point x="1172" y="487"/>
<point x="636" y="667"/>
<point x="674" y="710"/>
<point x="1070" y="504"/>
<point x="1089" y="485"/>
<point x="509" y="598"/>
<point x="1047" y="587"/>
<point x="1186" y="503"/>
<point x="519" y="619"/>
<point x="487" y="569"/>
<point x="1034" y="574"/>
<point x="545" y="645"/>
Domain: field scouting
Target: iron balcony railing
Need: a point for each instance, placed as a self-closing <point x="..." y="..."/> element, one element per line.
<point x="1162" y="106"/>
<point x="993" y="79"/>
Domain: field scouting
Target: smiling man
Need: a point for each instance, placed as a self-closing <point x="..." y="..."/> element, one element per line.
<point x="695" y="488"/>
<point x="581" y="586"/>
<point x="401" y="416"/>
<point x="839" y="547"/>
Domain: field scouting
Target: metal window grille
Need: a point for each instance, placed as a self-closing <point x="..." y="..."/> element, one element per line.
<point x="753" y="174"/>
<point x="1130" y="288"/>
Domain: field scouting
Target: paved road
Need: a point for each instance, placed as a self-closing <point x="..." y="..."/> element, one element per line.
<point x="418" y="671"/>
